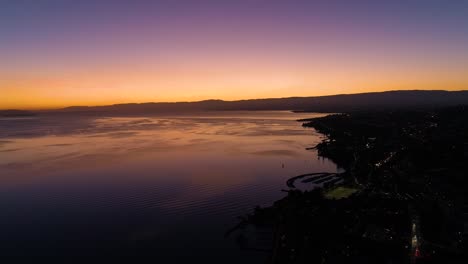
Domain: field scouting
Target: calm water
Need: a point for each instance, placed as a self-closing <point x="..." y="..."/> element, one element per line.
<point x="167" y="187"/>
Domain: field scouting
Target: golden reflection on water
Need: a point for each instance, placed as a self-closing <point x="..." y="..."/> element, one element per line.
<point x="209" y="145"/>
<point x="133" y="179"/>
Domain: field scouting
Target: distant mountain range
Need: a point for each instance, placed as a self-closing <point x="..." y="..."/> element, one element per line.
<point x="15" y="113"/>
<point x="333" y="103"/>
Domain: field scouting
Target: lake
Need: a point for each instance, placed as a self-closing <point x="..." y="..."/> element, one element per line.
<point x="166" y="187"/>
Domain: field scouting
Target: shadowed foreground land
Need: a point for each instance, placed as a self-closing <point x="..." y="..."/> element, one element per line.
<point x="402" y="198"/>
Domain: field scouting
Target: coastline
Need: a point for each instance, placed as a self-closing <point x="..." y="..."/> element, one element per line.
<point x="386" y="196"/>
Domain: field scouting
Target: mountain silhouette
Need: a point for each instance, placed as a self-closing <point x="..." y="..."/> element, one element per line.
<point x="413" y="99"/>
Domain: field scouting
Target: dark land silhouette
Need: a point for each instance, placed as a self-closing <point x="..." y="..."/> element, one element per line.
<point x="334" y="103"/>
<point x="402" y="198"/>
<point x="15" y="113"/>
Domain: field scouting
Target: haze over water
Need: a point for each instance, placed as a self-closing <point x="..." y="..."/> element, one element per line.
<point x="163" y="186"/>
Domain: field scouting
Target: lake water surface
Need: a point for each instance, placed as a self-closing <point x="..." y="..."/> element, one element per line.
<point x="166" y="187"/>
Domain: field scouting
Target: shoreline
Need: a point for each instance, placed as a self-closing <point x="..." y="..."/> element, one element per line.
<point x="382" y="154"/>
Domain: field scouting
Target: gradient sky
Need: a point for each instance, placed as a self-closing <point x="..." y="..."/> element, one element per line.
<point x="56" y="53"/>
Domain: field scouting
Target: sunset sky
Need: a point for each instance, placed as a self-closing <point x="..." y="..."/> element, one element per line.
<point x="56" y="53"/>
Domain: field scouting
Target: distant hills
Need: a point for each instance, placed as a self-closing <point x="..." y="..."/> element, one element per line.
<point x="15" y="113"/>
<point x="334" y="103"/>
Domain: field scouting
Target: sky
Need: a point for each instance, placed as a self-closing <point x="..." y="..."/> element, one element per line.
<point x="56" y="53"/>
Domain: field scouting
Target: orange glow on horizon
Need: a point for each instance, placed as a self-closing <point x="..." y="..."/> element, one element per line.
<point x="72" y="81"/>
<point x="58" y="54"/>
<point x="114" y="87"/>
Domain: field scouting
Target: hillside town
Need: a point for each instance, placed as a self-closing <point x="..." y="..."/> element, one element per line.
<point x="400" y="199"/>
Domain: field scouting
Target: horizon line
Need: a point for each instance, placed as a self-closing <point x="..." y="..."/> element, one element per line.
<point x="222" y="100"/>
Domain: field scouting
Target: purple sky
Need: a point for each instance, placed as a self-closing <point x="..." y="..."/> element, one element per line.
<point x="63" y="52"/>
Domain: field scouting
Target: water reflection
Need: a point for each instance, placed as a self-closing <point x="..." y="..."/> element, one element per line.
<point x="150" y="185"/>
